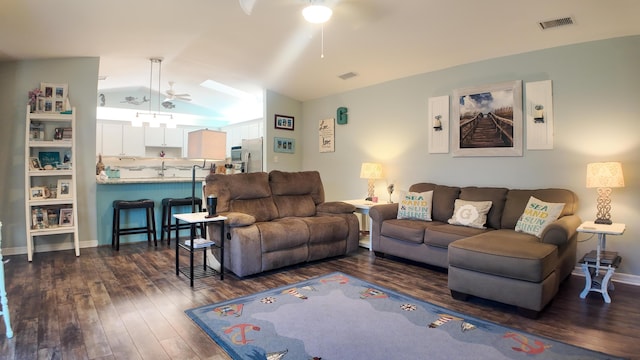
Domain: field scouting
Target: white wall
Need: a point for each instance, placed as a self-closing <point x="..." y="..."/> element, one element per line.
<point x="278" y="104"/>
<point x="596" y="94"/>
<point x="17" y="79"/>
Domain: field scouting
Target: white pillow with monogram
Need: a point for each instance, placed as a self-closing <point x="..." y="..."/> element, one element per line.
<point x="470" y="213"/>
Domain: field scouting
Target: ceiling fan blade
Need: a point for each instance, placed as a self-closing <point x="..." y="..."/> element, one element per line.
<point x="247" y="6"/>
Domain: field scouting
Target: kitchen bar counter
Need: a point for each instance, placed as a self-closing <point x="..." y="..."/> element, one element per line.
<point x="154" y="180"/>
<point x="134" y="189"/>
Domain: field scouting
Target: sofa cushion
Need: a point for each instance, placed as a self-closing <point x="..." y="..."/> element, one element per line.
<point x="406" y="230"/>
<point x="470" y="213"/>
<point x="505" y="253"/>
<point x="537" y="216"/>
<point x="281" y="234"/>
<point x="517" y="201"/>
<point x="444" y="234"/>
<point x="295" y="205"/>
<point x="416" y="206"/>
<point x="297" y="183"/>
<point x="325" y="229"/>
<point x="247" y="193"/>
<point x="497" y="196"/>
<point x="443" y="198"/>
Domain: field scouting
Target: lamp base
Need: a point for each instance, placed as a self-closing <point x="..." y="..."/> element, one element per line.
<point x="603" y="221"/>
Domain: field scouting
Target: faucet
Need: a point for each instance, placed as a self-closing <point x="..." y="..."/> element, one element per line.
<point x="162" y="169"/>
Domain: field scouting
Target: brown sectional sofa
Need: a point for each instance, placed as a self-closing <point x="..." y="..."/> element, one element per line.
<point x="279" y="219"/>
<point x="496" y="263"/>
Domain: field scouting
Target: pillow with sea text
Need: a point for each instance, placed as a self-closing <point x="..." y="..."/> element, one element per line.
<point x="470" y="213"/>
<point x="537" y="216"/>
<point x="415" y="206"/>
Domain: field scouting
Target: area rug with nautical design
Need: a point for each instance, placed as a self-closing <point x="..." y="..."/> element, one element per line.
<point x="337" y="316"/>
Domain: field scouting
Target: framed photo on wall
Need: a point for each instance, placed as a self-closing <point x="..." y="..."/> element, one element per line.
<point x="487" y="120"/>
<point x="284" y="122"/>
<point x="284" y="145"/>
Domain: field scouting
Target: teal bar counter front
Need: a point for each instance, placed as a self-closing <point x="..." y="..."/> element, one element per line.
<point x="136" y="189"/>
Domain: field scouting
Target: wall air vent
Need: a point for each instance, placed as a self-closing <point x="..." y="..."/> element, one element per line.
<point x="555" y="23"/>
<point x="348" y="75"/>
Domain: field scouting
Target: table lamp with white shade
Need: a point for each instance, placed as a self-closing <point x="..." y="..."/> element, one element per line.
<point x="205" y="145"/>
<point x="604" y="176"/>
<point x="371" y="172"/>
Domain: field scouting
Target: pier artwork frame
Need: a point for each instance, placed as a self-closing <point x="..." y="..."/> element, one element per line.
<point x="496" y="102"/>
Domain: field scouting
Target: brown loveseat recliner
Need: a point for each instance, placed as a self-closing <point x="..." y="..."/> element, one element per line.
<point x="496" y="263"/>
<point x="279" y="219"/>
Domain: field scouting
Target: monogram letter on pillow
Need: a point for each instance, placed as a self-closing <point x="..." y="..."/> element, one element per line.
<point x="470" y="213"/>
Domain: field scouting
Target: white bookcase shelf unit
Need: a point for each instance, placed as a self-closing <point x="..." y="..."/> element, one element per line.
<point x="51" y="205"/>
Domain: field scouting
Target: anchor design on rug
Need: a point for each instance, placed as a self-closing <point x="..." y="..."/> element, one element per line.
<point x="242" y="333"/>
<point x="228" y="310"/>
<point x="525" y="346"/>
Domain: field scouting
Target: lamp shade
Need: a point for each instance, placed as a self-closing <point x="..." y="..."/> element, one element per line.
<point x="207" y="144"/>
<point x="371" y="171"/>
<point x="317" y="14"/>
<point x="604" y="175"/>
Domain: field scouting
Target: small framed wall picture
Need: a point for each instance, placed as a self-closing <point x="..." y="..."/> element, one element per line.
<point x="66" y="217"/>
<point x="284" y="122"/>
<point x="284" y="145"/>
<point x="64" y="188"/>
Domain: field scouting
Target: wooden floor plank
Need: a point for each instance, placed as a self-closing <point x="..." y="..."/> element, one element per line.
<point x="130" y="304"/>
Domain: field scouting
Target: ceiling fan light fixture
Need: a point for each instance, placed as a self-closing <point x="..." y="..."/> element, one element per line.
<point x="317" y="14"/>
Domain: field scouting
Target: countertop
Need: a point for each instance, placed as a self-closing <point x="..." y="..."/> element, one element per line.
<point x="154" y="180"/>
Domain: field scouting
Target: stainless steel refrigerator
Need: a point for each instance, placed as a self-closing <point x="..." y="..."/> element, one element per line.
<point x="252" y="154"/>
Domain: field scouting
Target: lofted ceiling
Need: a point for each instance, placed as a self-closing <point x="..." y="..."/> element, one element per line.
<point x="274" y="48"/>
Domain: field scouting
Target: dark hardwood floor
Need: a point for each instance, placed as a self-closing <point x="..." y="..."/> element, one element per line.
<point x="130" y="304"/>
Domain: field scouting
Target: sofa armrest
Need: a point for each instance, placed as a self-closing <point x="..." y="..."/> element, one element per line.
<point x="335" y="207"/>
<point x="238" y="219"/>
<point x="379" y="213"/>
<point x="561" y="230"/>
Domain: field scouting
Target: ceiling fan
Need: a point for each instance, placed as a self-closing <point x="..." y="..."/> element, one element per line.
<point x="171" y="94"/>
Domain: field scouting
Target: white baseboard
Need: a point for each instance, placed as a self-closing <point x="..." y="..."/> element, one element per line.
<point x="49" y="247"/>
<point x="617" y="277"/>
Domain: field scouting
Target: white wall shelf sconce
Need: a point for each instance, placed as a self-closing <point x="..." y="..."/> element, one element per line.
<point x="539" y="111"/>
<point x="438" y="120"/>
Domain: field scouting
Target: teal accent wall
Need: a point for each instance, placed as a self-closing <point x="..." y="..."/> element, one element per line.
<point x="107" y="193"/>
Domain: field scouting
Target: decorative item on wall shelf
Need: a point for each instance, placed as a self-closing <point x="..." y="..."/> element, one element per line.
<point x="64" y="188"/>
<point x="39" y="193"/>
<point x="284" y="122"/>
<point x="438" y="123"/>
<point x="284" y="145"/>
<point x="66" y="217"/>
<point x="488" y="120"/>
<point x="55" y="99"/>
<point x="326" y="135"/>
<point x="33" y="99"/>
<point x="34" y="163"/>
<point x="539" y="115"/>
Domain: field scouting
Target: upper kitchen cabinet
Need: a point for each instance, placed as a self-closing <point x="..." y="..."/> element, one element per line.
<point x="163" y="137"/>
<point x="121" y="140"/>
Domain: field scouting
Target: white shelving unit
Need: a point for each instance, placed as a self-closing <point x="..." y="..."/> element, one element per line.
<point x="43" y="209"/>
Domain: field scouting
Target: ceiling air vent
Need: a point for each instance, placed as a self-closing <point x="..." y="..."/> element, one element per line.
<point x="348" y="75"/>
<point x="555" y="23"/>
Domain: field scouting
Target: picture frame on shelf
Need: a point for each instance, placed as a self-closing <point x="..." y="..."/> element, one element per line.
<point x="52" y="217"/>
<point x="284" y="122"/>
<point x="284" y="145"/>
<point x="39" y="218"/>
<point x="55" y="97"/>
<point x="64" y="189"/>
<point x="66" y="217"/>
<point x="500" y="104"/>
<point x="38" y="193"/>
<point x="49" y="158"/>
<point x="34" y="163"/>
<point x="36" y="132"/>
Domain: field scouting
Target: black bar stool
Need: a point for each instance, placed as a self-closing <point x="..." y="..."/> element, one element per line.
<point x="149" y="229"/>
<point x="167" y="226"/>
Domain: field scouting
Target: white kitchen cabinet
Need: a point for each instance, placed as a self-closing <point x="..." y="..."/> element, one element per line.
<point x="163" y="137"/>
<point x="121" y="140"/>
